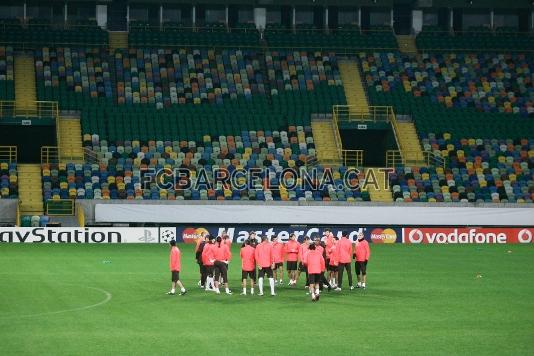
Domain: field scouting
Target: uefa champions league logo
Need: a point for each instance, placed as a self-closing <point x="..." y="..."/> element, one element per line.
<point x="167" y="235"/>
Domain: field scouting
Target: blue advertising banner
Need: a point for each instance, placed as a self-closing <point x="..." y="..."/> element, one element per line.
<point x="239" y="233"/>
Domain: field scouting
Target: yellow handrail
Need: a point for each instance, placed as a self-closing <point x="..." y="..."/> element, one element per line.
<point x="49" y="154"/>
<point x="353" y="158"/>
<point x="337" y="136"/>
<point x="80" y="213"/>
<point x="353" y="113"/>
<point x="18" y="214"/>
<point x="36" y="109"/>
<point x="8" y="154"/>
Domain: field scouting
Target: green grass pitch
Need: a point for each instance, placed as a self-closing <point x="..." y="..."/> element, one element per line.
<point x="447" y="299"/>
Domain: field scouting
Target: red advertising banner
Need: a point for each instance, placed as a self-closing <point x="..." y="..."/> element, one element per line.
<point x="467" y="235"/>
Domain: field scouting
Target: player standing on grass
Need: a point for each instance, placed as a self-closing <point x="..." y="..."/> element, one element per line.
<point x="201" y="242"/>
<point x="303" y="251"/>
<point x="175" y="266"/>
<point x="278" y="256"/>
<point x="222" y="258"/>
<point x="315" y="264"/>
<point x="248" y="266"/>
<point x="208" y="259"/>
<point x="344" y="246"/>
<point x="265" y="260"/>
<point x="362" y="253"/>
<point x="333" y="264"/>
<point x="292" y="250"/>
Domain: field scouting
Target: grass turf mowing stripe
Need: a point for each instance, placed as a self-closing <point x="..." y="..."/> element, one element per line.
<point x="421" y="300"/>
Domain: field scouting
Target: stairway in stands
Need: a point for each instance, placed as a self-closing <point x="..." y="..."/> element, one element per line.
<point x="407" y="44"/>
<point x="117" y="40"/>
<point x="353" y="86"/>
<point x="381" y="194"/>
<point x="30" y="189"/>
<point x="25" y="93"/>
<point x="326" y="139"/>
<point x="70" y="138"/>
<point x="410" y="146"/>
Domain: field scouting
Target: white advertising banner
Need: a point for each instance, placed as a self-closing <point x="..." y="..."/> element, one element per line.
<point x="79" y="235"/>
<point x="328" y="215"/>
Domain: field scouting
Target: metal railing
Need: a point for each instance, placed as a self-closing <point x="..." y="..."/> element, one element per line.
<point x="49" y="154"/>
<point x="80" y="215"/>
<point x="60" y="207"/>
<point x="413" y="158"/>
<point x="18" y="214"/>
<point x="352" y="158"/>
<point x="337" y="136"/>
<point x="35" y="109"/>
<point x="352" y="113"/>
<point x="8" y="154"/>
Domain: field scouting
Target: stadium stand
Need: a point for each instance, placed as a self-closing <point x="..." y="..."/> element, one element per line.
<point x="475" y="39"/>
<point x="41" y="32"/>
<point x="8" y="180"/>
<point x="7" y="88"/>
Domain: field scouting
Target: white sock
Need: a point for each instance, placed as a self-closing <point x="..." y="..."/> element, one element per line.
<point x="227" y="290"/>
<point x="313" y="295"/>
<point x="281" y="281"/>
<point x="172" y="290"/>
<point x="245" y="290"/>
<point x="251" y="290"/>
<point x="363" y="285"/>
<point x="317" y="291"/>
<point x="271" y="282"/>
<point x="359" y="284"/>
<point x="208" y="282"/>
<point x="260" y="285"/>
<point x="182" y="289"/>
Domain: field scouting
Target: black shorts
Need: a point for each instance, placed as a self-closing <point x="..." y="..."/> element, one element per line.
<point x="314" y="278"/>
<point x="267" y="270"/>
<point x="332" y="268"/>
<point x="251" y="274"/>
<point x="209" y="270"/>
<point x="361" y="267"/>
<point x="278" y="265"/>
<point x="291" y="265"/>
<point x="302" y="268"/>
<point x="175" y="276"/>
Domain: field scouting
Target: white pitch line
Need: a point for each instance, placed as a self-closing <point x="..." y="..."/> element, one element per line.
<point x="104" y="301"/>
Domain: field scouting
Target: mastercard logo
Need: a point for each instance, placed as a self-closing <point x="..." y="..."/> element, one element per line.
<point x="383" y="236"/>
<point x="191" y="235"/>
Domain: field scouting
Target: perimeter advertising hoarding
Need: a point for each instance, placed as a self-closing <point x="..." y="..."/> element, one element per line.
<point x="79" y="235"/>
<point x="467" y="235"/>
<point x="239" y="233"/>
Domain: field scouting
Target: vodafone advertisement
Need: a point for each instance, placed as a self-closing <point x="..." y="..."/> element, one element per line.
<point x="467" y="235"/>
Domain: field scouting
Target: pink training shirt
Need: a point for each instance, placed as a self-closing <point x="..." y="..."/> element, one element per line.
<point x="248" y="262"/>
<point x="334" y="255"/>
<point x="363" y="252"/>
<point x="292" y="249"/>
<point x="208" y="254"/>
<point x="315" y="262"/>
<point x="175" y="260"/>
<point x="329" y="241"/>
<point x="344" y="250"/>
<point x="222" y="252"/>
<point x="303" y="251"/>
<point x="278" y="252"/>
<point x="264" y="254"/>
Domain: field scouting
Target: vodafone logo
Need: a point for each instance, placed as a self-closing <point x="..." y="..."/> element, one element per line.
<point x="415" y="236"/>
<point x="524" y="236"/>
<point x="467" y="235"/>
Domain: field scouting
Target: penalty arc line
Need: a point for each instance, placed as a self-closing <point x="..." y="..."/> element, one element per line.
<point x="102" y="302"/>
